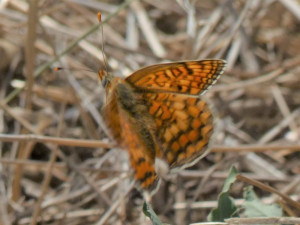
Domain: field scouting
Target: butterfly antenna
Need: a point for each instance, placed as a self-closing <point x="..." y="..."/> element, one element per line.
<point x="56" y="69"/>
<point x="102" y="37"/>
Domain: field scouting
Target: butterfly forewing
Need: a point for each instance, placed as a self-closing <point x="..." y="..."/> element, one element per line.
<point x="190" y="78"/>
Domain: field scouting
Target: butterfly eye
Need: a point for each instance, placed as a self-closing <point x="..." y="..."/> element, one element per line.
<point x="104" y="81"/>
<point x="103" y="77"/>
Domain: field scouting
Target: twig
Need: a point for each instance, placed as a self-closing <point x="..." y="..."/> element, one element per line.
<point x="269" y="135"/>
<point x="148" y="30"/>
<point x="30" y="49"/>
<point x="269" y="189"/>
<point x="293" y="6"/>
<point x="76" y="214"/>
<point x="48" y="176"/>
<point x="234" y="29"/>
<point x="43" y="166"/>
<point x="101" y="144"/>
<point x="269" y="220"/>
<point x="283" y="106"/>
<point x="22" y="121"/>
<point x="55" y="140"/>
<point x="114" y="206"/>
<point x="254" y="220"/>
<point x="247" y="83"/>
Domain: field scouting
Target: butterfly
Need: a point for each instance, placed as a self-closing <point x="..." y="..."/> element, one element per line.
<point x="158" y="112"/>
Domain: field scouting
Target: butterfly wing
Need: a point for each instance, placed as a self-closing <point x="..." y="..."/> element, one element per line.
<point x="184" y="126"/>
<point x="190" y="77"/>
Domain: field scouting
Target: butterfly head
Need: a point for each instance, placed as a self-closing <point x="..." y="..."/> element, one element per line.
<point x="106" y="81"/>
<point x="104" y="78"/>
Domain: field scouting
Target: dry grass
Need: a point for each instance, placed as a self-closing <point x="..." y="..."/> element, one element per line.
<point x="57" y="164"/>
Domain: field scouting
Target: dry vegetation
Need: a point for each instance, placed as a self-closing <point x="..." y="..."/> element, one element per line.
<point x="86" y="180"/>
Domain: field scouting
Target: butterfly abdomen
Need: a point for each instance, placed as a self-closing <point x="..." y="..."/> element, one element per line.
<point x="131" y="127"/>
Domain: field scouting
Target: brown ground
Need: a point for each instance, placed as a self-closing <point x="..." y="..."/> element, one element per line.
<point x="257" y="102"/>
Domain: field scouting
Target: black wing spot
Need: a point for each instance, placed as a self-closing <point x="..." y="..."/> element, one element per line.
<point x="189" y="71"/>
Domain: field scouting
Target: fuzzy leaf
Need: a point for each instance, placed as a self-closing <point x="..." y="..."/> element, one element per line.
<point x="256" y="208"/>
<point x="226" y="207"/>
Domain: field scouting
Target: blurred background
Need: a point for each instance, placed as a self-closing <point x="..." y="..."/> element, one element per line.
<point x="256" y="104"/>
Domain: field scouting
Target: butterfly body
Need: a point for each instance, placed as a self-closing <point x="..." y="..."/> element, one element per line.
<point x="132" y="127"/>
<point x="157" y="112"/>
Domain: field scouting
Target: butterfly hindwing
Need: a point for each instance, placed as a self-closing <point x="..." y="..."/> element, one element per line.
<point x="184" y="126"/>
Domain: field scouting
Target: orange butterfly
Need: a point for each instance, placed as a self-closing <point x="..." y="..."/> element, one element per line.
<point x="158" y="112"/>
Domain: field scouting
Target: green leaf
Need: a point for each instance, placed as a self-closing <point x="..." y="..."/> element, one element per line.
<point x="148" y="211"/>
<point x="230" y="179"/>
<point x="226" y="207"/>
<point x="256" y="208"/>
